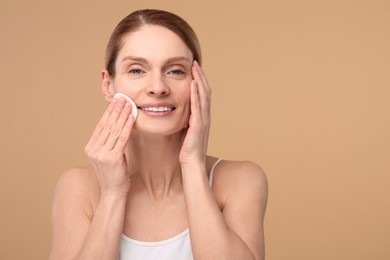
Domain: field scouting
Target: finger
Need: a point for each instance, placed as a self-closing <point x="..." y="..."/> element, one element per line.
<point x="118" y="127"/>
<point x="125" y="135"/>
<point x="203" y="78"/>
<point x="202" y="91"/>
<point x="100" y="125"/>
<point x="195" y="104"/>
<point x="207" y="88"/>
<point x="111" y="121"/>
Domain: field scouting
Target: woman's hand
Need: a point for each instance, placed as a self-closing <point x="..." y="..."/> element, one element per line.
<point x="195" y="142"/>
<point x="106" y="148"/>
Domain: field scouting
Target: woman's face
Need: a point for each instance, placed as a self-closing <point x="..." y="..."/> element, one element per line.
<point x="154" y="69"/>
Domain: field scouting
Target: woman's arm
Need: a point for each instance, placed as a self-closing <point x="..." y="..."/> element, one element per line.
<point x="237" y="232"/>
<point x="77" y="234"/>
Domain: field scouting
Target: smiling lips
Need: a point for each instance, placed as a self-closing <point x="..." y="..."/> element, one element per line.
<point x="157" y="108"/>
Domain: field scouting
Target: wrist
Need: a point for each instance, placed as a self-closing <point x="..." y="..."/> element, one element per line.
<point x="195" y="161"/>
<point x="194" y="166"/>
<point x="194" y="173"/>
<point x="110" y="197"/>
<point x="118" y="193"/>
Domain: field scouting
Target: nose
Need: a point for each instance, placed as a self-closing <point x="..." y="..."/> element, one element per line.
<point x="158" y="87"/>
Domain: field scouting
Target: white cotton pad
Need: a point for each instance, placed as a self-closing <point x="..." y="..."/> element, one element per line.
<point x="134" y="109"/>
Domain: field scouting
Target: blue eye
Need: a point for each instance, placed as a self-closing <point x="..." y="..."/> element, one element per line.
<point x="135" y="71"/>
<point x="177" y="72"/>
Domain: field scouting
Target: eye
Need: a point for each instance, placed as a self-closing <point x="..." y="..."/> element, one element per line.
<point x="136" y="71"/>
<point x="176" y="72"/>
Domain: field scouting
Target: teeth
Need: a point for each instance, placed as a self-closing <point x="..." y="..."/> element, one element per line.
<point x="157" y="109"/>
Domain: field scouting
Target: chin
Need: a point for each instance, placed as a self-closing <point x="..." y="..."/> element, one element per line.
<point x="158" y="128"/>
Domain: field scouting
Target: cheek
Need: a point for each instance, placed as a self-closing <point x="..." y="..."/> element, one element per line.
<point x="184" y="95"/>
<point x="129" y="88"/>
<point x="187" y="97"/>
<point x="186" y="90"/>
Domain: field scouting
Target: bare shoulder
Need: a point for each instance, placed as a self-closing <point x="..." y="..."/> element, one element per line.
<point x="78" y="185"/>
<point x="244" y="171"/>
<point x="73" y="210"/>
<point x="78" y="178"/>
<point x="76" y="175"/>
<point x="241" y="191"/>
<point x="239" y="178"/>
<point x="240" y="174"/>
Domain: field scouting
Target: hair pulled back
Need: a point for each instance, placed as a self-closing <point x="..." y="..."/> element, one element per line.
<point x="137" y="19"/>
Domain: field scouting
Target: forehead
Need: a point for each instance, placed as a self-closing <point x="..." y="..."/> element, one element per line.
<point x="154" y="43"/>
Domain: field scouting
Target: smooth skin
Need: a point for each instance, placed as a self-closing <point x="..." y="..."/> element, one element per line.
<point x="149" y="179"/>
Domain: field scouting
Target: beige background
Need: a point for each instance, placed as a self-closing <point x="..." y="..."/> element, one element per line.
<point x="300" y="87"/>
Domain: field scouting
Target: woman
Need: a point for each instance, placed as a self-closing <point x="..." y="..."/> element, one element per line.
<point x="151" y="192"/>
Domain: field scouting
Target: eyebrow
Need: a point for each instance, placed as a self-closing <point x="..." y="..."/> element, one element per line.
<point x="143" y="60"/>
<point x="133" y="58"/>
<point x="181" y="58"/>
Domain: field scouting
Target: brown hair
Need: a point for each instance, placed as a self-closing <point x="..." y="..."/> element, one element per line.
<point x="137" y="19"/>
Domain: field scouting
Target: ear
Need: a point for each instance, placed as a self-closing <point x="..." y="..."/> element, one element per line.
<point x="107" y="86"/>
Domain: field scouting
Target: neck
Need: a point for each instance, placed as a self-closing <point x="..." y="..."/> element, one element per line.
<point x="153" y="163"/>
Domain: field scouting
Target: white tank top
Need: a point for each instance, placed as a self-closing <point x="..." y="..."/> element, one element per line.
<point x="177" y="247"/>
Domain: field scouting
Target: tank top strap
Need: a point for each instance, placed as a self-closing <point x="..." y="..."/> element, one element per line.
<point x="212" y="171"/>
